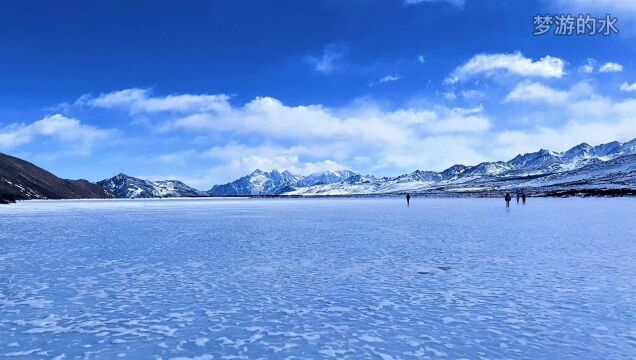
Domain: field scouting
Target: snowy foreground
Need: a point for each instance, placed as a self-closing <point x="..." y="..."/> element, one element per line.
<point x="318" y="278"/>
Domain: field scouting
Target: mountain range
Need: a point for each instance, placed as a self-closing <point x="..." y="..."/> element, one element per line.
<point x="606" y="169"/>
<point x="275" y="182"/>
<point x="603" y="169"/>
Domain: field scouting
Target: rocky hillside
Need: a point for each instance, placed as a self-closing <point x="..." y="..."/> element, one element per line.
<point x="21" y="180"/>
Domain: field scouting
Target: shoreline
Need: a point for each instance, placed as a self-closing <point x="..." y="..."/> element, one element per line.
<point x="490" y="194"/>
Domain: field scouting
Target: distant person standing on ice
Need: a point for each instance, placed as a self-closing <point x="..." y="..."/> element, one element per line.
<point x="523" y="198"/>
<point x="508" y="198"/>
<point x="408" y="199"/>
<point x="518" y="196"/>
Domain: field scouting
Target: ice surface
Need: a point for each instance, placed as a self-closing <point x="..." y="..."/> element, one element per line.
<point x="318" y="278"/>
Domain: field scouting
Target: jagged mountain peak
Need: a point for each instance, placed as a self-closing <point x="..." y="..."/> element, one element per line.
<point x="125" y="186"/>
<point x="419" y="175"/>
<point x="327" y="177"/>
<point x="582" y="145"/>
<point x="272" y="182"/>
<point x="453" y="171"/>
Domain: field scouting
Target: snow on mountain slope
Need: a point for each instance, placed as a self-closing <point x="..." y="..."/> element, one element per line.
<point x="327" y="177"/>
<point x="275" y="182"/>
<point x="258" y="182"/>
<point x="125" y="186"/>
<point x="617" y="172"/>
<point x="612" y="164"/>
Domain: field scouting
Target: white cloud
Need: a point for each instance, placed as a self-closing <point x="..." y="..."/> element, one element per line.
<point x="515" y="63"/>
<point x="536" y="92"/>
<point x="628" y="87"/>
<point x="585" y="117"/>
<point x="385" y="79"/>
<point x="588" y="68"/>
<point x="389" y="78"/>
<point x="421" y="59"/>
<point x="303" y="138"/>
<point x="270" y="118"/>
<point x="365" y="136"/>
<point x="328" y="61"/>
<point x="78" y="136"/>
<point x="323" y="136"/>
<point x="310" y="137"/>
<point x="141" y="101"/>
<point x="610" y="67"/>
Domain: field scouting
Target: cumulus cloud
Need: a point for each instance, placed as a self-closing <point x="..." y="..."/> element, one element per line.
<point x="303" y="137"/>
<point x="365" y="136"/>
<point x="610" y="67"/>
<point x="586" y="116"/>
<point x="628" y="87"/>
<point x="515" y="63"/>
<point x="269" y="117"/>
<point x="79" y="136"/>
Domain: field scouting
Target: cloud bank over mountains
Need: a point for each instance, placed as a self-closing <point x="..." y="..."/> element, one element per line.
<point x="367" y="135"/>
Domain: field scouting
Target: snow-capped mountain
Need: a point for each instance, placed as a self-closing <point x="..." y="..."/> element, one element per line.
<point x="125" y="186"/>
<point x="606" y="169"/>
<point x="257" y="183"/>
<point x="327" y="177"/>
<point x="607" y="166"/>
<point x="275" y="182"/>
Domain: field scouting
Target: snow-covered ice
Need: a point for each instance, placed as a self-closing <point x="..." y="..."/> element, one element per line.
<point x="318" y="278"/>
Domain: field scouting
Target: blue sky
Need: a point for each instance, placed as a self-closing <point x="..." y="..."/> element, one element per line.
<point x="207" y="91"/>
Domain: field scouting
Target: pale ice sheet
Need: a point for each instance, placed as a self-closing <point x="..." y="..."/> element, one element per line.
<point x="318" y="278"/>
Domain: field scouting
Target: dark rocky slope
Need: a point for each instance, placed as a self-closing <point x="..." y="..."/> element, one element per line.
<point x="21" y="180"/>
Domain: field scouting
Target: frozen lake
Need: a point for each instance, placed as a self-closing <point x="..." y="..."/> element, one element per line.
<point x="314" y="278"/>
